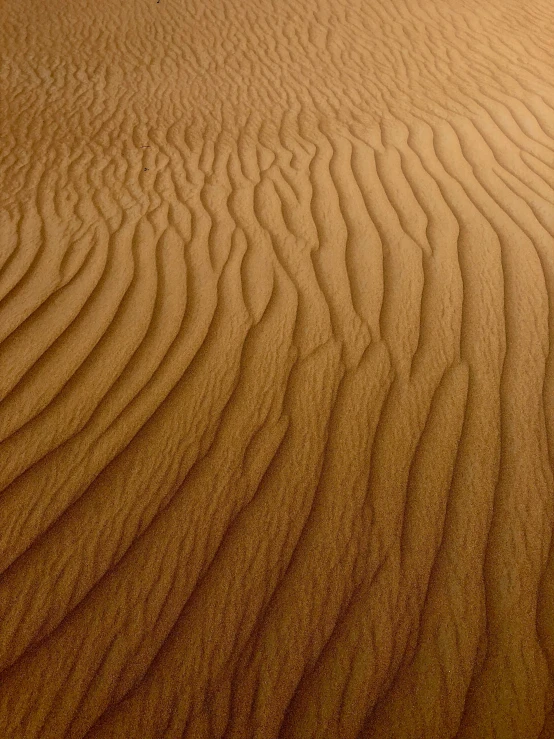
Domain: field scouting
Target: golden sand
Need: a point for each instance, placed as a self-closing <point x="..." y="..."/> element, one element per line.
<point x="276" y="380"/>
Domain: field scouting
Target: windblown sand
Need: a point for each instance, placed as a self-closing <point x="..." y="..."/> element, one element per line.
<point x="276" y="369"/>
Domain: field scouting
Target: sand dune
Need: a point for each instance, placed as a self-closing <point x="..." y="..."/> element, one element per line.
<point x="276" y="380"/>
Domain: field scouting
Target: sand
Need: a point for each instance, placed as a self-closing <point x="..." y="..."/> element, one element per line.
<point x="276" y="379"/>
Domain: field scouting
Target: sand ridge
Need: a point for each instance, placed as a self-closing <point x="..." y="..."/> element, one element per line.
<point x="276" y="386"/>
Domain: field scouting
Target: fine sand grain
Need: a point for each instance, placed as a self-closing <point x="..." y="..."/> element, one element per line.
<point x="276" y="379"/>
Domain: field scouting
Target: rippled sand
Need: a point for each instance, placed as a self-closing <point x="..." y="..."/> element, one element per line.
<point x="277" y="418"/>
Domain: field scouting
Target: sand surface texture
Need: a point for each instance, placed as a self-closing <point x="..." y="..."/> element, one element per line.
<point x="276" y="370"/>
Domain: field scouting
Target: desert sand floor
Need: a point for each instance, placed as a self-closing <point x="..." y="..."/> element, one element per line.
<point x="276" y="369"/>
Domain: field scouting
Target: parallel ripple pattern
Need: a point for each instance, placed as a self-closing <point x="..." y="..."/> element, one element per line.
<point x="276" y="377"/>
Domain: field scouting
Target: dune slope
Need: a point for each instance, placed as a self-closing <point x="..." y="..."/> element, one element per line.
<point x="276" y="379"/>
